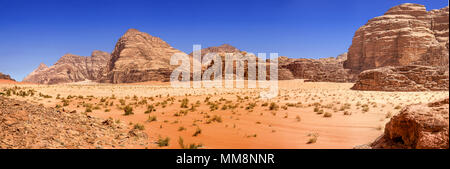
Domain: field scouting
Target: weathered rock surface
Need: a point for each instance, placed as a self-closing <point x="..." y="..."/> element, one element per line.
<point x="25" y="126"/>
<point x="405" y="34"/>
<point x="404" y="78"/>
<point x="70" y="68"/>
<point x="419" y="126"/>
<point x="139" y="57"/>
<point x="6" y="77"/>
<point x="221" y="51"/>
<point x="317" y="70"/>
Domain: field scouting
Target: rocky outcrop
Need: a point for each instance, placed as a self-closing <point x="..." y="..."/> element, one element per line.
<point x="6" y="77"/>
<point x="70" y="68"/>
<point x="406" y="34"/>
<point x="139" y="57"/>
<point x="27" y="126"/>
<point x="419" y="126"/>
<point x="315" y="70"/>
<point x="221" y="51"/>
<point x="318" y="70"/>
<point x="404" y="78"/>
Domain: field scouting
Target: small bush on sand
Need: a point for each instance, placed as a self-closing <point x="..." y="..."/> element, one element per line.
<point x="197" y="132"/>
<point x="138" y="126"/>
<point x="128" y="110"/>
<point x="163" y="142"/>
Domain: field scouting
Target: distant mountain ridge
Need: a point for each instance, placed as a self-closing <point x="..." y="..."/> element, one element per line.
<point x="70" y="68"/>
<point x="6" y="77"/>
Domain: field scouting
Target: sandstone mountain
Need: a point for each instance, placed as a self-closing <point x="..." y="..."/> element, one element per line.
<point x="70" y="68"/>
<point x="405" y="34"/>
<point x="419" y="126"/>
<point x="317" y="70"/>
<point x="139" y="57"/>
<point x="221" y="51"/>
<point x="6" y="77"/>
<point x="27" y="126"/>
<point x="404" y="78"/>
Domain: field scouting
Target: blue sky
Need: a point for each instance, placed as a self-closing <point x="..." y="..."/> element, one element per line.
<point x="36" y="31"/>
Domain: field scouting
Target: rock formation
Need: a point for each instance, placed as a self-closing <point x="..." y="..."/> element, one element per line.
<point x="404" y="78"/>
<point x="27" y="126"/>
<point x="317" y="70"/>
<point x="419" y="126"/>
<point x="70" y="68"/>
<point x="221" y="51"/>
<point x="139" y="57"/>
<point x="405" y="34"/>
<point x="6" y="77"/>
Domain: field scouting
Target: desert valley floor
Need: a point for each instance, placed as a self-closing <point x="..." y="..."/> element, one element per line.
<point x="304" y="115"/>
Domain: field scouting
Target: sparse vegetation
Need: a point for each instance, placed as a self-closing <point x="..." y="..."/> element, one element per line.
<point x="163" y="142"/>
<point x="128" y="110"/>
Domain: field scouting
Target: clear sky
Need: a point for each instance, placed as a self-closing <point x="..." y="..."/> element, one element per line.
<point x="36" y="31"/>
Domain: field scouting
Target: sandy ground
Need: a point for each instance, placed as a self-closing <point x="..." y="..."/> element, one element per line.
<point x="297" y="118"/>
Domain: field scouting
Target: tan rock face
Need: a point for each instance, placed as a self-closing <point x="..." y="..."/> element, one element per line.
<point x="420" y="126"/>
<point x="404" y="78"/>
<point x="70" y="68"/>
<point x="27" y="126"/>
<point x="406" y="34"/>
<point x="323" y="70"/>
<point x="7" y="77"/>
<point x="139" y="57"/>
<point x="318" y="70"/>
<point x="221" y="51"/>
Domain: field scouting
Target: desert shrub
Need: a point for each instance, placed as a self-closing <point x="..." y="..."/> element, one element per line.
<point x="128" y="110"/>
<point x="316" y="109"/>
<point x="65" y="102"/>
<point x="298" y="118"/>
<point x="122" y="102"/>
<point x="150" y="108"/>
<point x="181" y="128"/>
<point x="151" y="118"/>
<point x="388" y="115"/>
<point x="184" y="103"/>
<point x="191" y="146"/>
<point x="197" y="132"/>
<point x="138" y="126"/>
<point x="250" y="106"/>
<point x="327" y="114"/>
<point x="213" y="106"/>
<point x="313" y="139"/>
<point x="163" y="142"/>
<point x="273" y="106"/>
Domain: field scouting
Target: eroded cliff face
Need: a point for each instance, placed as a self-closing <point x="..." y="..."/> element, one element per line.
<point x="405" y="34"/>
<point x="6" y="77"/>
<point x="418" y="126"/>
<point x="70" y="68"/>
<point x="139" y="57"/>
<point x="317" y="70"/>
<point x="404" y="78"/>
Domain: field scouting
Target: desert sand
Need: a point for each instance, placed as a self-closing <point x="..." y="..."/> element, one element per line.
<point x="305" y="115"/>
